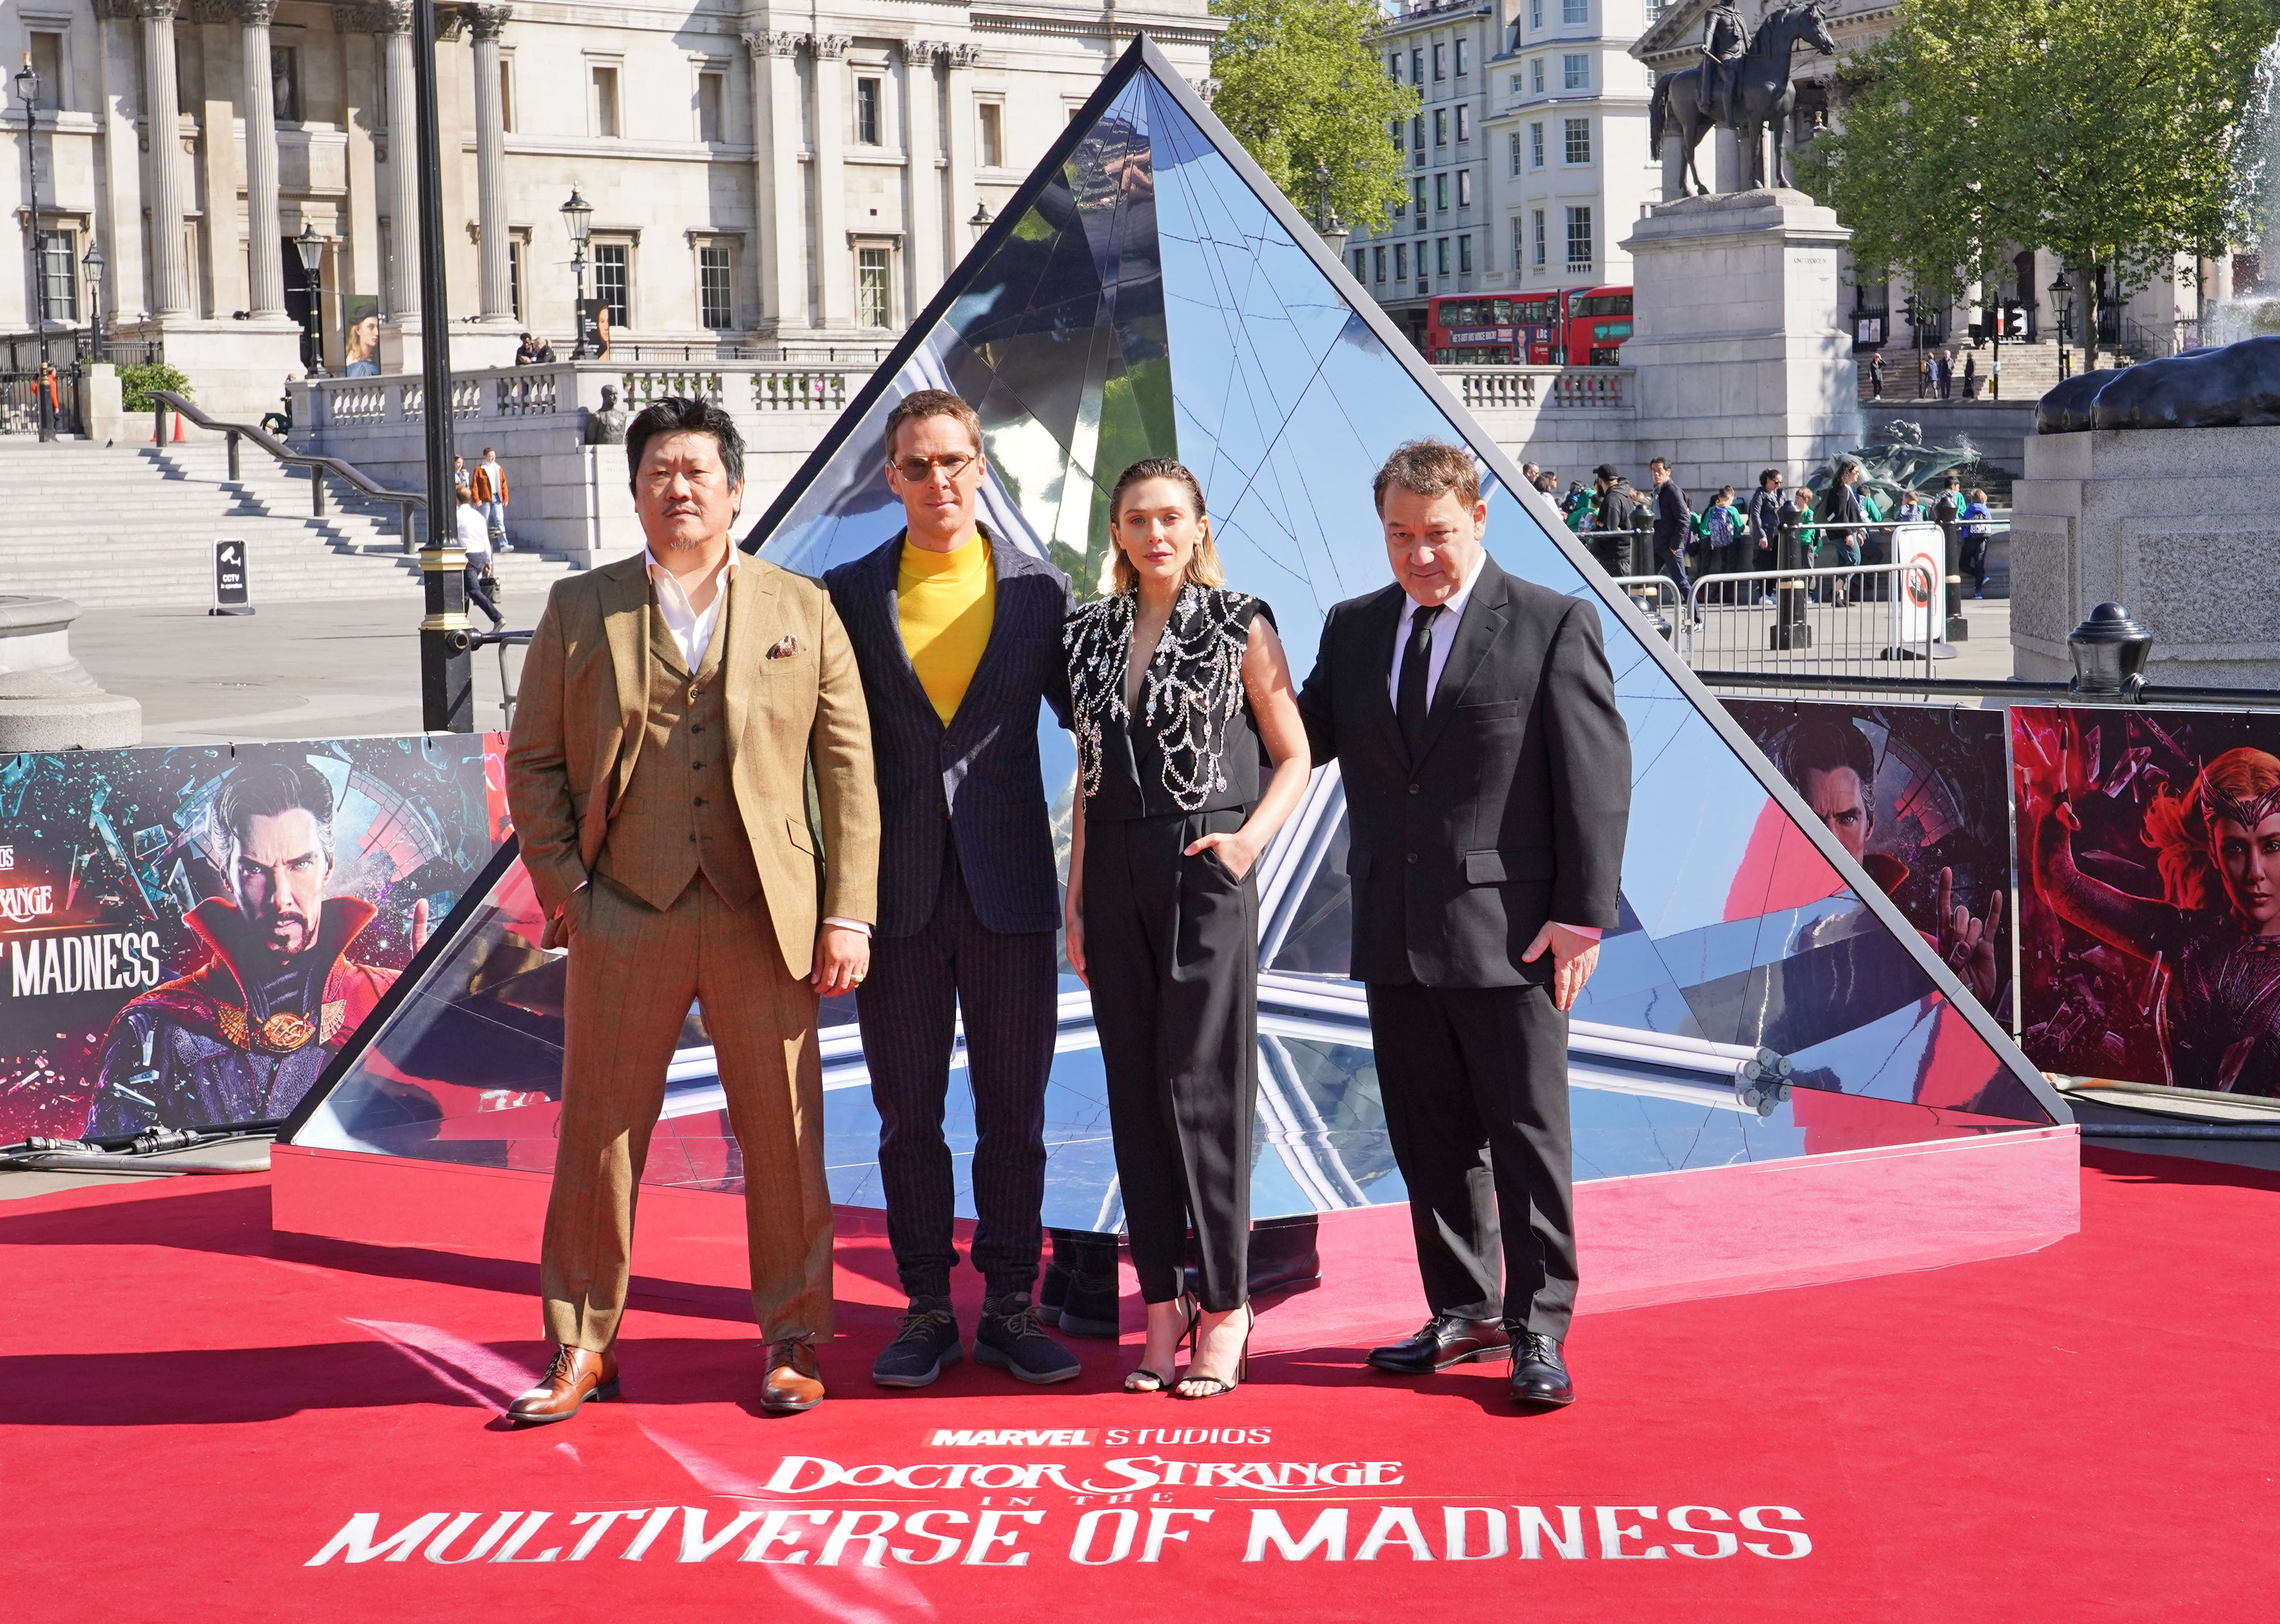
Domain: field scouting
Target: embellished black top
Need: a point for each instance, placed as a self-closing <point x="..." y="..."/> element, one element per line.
<point x="1190" y="743"/>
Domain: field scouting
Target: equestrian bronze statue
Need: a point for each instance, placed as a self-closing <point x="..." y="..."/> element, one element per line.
<point x="1749" y="93"/>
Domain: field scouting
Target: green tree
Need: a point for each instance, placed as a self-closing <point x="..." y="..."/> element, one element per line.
<point x="1300" y="81"/>
<point x="2106" y="132"/>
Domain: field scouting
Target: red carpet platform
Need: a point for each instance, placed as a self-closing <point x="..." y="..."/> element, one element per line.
<point x="202" y="1421"/>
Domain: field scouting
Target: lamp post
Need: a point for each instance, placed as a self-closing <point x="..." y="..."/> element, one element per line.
<point x="578" y="219"/>
<point x="1915" y="311"/>
<point x="27" y="92"/>
<point x="447" y="696"/>
<point x="2063" y="307"/>
<point x="981" y="221"/>
<point x="92" y="263"/>
<point x="311" y="248"/>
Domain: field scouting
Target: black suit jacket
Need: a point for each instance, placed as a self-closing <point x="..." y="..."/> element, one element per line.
<point x="1514" y="811"/>
<point x="980" y="775"/>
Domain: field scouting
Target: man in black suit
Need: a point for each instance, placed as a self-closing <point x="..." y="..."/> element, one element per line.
<point x="958" y="637"/>
<point x="1673" y="525"/>
<point x="1488" y="781"/>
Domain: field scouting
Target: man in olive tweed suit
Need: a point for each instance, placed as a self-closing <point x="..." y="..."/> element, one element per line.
<point x="672" y="706"/>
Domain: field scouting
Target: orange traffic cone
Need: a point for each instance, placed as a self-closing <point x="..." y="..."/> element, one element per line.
<point x="178" y="428"/>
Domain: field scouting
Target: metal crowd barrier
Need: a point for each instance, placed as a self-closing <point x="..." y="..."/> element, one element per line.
<point x="1861" y="617"/>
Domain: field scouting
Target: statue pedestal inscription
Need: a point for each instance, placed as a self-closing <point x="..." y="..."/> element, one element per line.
<point x="1741" y="361"/>
<point x="2179" y="525"/>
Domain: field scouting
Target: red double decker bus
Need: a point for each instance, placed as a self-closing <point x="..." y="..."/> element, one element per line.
<point x="1576" y="326"/>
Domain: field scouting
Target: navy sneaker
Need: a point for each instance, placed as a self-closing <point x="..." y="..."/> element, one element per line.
<point x="1010" y="1339"/>
<point x="926" y="1344"/>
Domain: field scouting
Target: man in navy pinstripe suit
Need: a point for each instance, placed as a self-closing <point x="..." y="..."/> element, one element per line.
<point x="958" y="636"/>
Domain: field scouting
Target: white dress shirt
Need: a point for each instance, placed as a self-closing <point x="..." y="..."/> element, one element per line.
<point x="1445" y="638"/>
<point x="692" y="631"/>
<point x="474" y="535"/>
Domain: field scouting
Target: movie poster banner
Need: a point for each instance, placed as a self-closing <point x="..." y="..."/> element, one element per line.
<point x="2149" y="894"/>
<point x="186" y="935"/>
<point x="1918" y="794"/>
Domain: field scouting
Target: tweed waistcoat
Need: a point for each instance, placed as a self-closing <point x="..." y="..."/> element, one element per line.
<point x="678" y="816"/>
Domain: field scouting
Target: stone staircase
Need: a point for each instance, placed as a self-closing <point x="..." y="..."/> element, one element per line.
<point x="2029" y="371"/>
<point x="134" y="527"/>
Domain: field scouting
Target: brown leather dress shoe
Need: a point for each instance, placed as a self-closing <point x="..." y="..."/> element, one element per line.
<point x="574" y="1377"/>
<point x="794" y="1382"/>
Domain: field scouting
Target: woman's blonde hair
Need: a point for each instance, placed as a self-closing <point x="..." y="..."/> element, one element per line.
<point x="1203" y="564"/>
<point x="2181" y="829"/>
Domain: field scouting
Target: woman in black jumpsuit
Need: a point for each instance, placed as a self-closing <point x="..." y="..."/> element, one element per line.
<point x="1163" y="907"/>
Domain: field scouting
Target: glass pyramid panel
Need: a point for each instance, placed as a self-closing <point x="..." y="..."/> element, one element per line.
<point x="1147" y="294"/>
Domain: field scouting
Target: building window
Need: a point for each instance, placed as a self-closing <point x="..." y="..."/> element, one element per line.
<point x="1575" y="12"/>
<point x="1579" y="237"/>
<point x="1575" y="71"/>
<point x="873" y="307"/>
<point x="1536" y="14"/>
<point x="1401" y="262"/>
<point x="866" y="113"/>
<point x="1417" y="190"/>
<point x="1536" y="220"/>
<point x="1465" y="255"/>
<point x="1463" y="188"/>
<point x="1441" y="192"/>
<point x="48" y="62"/>
<point x="1536" y="76"/>
<point x="59" y="275"/>
<point x="993" y="134"/>
<point x="614" y="280"/>
<point x="1417" y="68"/>
<point x="1535" y="146"/>
<point x="1377" y="263"/>
<point x="1393" y="71"/>
<point x="285" y="84"/>
<point x="1401" y="208"/>
<point x="1515" y="138"/>
<point x="1417" y="133"/>
<point x="716" y="306"/>
<point x="1361" y="264"/>
<point x="1515" y="84"/>
<point x="1464" y="122"/>
<point x="1579" y="141"/>
<point x="1519" y="241"/>
<point x="1440" y="60"/>
<point x="1441" y="255"/>
<point x="1464" y="58"/>
<point x="710" y="88"/>
<point x="602" y="108"/>
<point x="515" y="264"/>
<point x="1440" y="126"/>
<point x="506" y="94"/>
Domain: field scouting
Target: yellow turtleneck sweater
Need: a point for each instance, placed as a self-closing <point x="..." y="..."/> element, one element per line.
<point x="944" y="602"/>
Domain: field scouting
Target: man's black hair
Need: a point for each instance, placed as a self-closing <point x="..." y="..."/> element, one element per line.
<point x="677" y="414"/>
<point x="266" y="789"/>
<point x="1825" y="743"/>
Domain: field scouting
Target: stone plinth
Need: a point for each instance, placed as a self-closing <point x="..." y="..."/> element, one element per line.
<point x="2180" y="525"/>
<point x="47" y="700"/>
<point x="237" y="369"/>
<point x="1740" y="361"/>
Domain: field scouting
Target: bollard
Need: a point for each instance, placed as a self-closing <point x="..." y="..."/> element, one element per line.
<point x="1790" y="629"/>
<point x="316" y="490"/>
<point x="1959" y="628"/>
<point x="2110" y="651"/>
<point x="232" y="438"/>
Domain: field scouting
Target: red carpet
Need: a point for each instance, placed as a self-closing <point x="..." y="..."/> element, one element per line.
<point x="2082" y="1433"/>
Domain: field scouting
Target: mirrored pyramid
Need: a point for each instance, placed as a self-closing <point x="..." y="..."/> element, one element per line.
<point x="1148" y="293"/>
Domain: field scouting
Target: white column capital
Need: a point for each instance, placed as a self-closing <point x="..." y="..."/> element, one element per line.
<point x="487" y="23"/>
<point x="778" y="43"/>
<point x="829" y="47"/>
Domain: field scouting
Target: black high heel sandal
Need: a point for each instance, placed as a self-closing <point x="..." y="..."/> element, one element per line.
<point x="1146" y="1381"/>
<point x="1213" y="1385"/>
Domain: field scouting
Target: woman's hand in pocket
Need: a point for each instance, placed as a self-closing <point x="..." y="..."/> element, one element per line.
<point x="1236" y="850"/>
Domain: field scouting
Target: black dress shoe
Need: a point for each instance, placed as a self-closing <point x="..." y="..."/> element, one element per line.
<point x="1446" y="1340"/>
<point x="1539" y="1375"/>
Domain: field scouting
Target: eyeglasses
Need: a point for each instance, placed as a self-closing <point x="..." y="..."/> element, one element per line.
<point x="917" y="468"/>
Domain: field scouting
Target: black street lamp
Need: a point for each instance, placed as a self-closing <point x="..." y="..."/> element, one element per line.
<point x="1917" y="313"/>
<point x="311" y="248"/>
<point x="2062" y="304"/>
<point x="92" y="263"/>
<point x="983" y="219"/>
<point x="27" y="92"/>
<point x="578" y="218"/>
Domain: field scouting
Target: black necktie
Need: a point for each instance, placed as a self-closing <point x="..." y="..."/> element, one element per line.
<point x="1416" y="660"/>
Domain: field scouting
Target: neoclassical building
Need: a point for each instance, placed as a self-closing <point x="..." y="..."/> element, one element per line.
<point x="758" y="176"/>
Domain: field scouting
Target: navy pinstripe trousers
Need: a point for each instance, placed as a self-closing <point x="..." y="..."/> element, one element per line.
<point x="1004" y="985"/>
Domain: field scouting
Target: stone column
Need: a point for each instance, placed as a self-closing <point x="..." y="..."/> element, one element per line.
<point x="779" y="209"/>
<point x="486" y="23"/>
<point x="958" y="94"/>
<point x="394" y="19"/>
<point x="922" y="181"/>
<point x="170" y="284"/>
<point x="265" y="253"/>
<point x="835" y="264"/>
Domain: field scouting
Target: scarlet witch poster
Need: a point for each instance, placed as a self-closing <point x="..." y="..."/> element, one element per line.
<point x="2149" y="893"/>
<point x="186" y="935"/>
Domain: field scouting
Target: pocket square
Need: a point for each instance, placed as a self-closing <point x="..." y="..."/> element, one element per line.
<point x="784" y="648"/>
